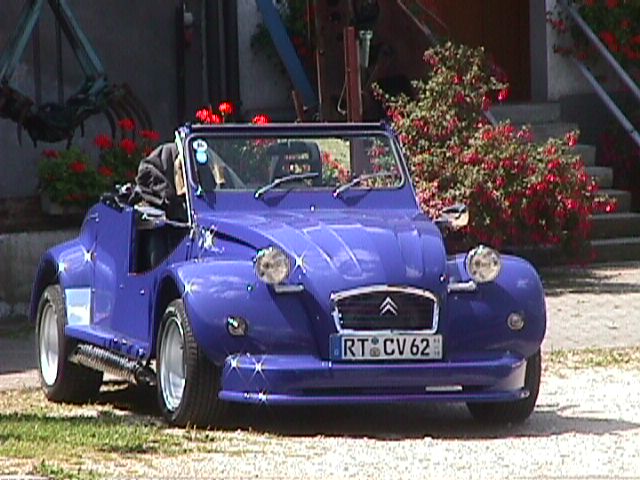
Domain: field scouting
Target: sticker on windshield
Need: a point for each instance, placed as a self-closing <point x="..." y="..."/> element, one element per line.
<point x="200" y="146"/>
<point x="201" y="158"/>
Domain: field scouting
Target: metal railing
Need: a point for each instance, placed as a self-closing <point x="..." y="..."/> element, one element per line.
<point x="573" y="13"/>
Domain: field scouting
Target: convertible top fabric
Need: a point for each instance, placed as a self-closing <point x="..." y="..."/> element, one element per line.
<point x="155" y="180"/>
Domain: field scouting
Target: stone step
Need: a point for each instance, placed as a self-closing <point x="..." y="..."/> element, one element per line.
<point x="612" y="225"/>
<point x="527" y="113"/>
<point x="544" y="131"/>
<point x="622" y="197"/>
<point x="616" y="249"/>
<point x="602" y="175"/>
<point x="587" y="152"/>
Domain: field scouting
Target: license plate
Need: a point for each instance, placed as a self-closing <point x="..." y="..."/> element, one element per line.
<point x="386" y="347"/>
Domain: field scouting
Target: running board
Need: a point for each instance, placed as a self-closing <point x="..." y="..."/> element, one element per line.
<point x="106" y="361"/>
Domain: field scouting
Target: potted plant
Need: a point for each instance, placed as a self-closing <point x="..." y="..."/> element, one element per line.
<point x="68" y="181"/>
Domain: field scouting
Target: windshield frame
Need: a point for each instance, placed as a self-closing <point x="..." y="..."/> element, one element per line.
<point x="298" y="130"/>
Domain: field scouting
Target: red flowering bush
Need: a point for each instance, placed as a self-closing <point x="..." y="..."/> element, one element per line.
<point x="615" y="22"/>
<point x="119" y="158"/>
<point x="67" y="177"/>
<point x="518" y="192"/>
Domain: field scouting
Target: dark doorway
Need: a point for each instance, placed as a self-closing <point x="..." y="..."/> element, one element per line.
<point x="501" y="26"/>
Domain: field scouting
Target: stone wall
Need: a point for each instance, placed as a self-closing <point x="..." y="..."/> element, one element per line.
<point x="19" y="255"/>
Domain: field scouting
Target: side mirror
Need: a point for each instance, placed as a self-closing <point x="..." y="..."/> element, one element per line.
<point x="453" y="217"/>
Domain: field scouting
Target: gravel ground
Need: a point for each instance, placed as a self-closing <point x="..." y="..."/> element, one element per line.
<point x="586" y="425"/>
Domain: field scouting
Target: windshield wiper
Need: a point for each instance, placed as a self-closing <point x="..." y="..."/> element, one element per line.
<point x="279" y="181"/>
<point x="359" y="179"/>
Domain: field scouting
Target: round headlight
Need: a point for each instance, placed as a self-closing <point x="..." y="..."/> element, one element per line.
<point x="272" y="265"/>
<point x="483" y="264"/>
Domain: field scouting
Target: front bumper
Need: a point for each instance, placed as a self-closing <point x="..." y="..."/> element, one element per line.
<point x="306" y="380"/>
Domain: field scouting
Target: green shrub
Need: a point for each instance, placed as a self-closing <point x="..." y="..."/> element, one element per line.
<point x="518" y="192"/>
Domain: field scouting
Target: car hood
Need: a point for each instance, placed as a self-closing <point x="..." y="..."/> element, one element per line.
<point x="343" y="249"/>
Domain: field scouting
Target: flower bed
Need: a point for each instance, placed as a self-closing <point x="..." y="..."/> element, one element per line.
<point x="519" y="193"/>
<point x="70" y="177"/>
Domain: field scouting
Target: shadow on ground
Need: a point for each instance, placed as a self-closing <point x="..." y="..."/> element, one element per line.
<point x="386" y="422"/>
<point x="558" y="281"/>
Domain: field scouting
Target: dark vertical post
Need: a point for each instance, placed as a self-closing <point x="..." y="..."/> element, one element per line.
<point x="37" y="70"/>
<point x="214" y="11"/>
<point x="232" y="74"/>
<point x="180" y="64"/>
<point x="352" y="67"/>
<point x="59" y="64"/>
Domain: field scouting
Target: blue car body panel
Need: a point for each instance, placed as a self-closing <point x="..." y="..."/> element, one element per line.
<point x="360" y="239"/>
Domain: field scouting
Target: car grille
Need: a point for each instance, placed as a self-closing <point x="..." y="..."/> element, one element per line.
<point x="386" y="310"/>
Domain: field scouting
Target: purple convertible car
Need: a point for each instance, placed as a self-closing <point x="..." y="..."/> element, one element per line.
<point x="285" y="265"/>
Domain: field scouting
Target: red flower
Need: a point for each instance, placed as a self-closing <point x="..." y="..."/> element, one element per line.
<point x="625" y="24"/>
<point x="128" y="145"/>
<point x="127" y="124"/>
<point x="589" y="3"/>
<point x="226" y="108"/>
<point x="612" y="3"/>
<point x="503" y="94"/>
<point x="150" y="135"/>
<point x="486" y="103"/>
<point x="203" y="114"/>
<point x="206" y="115"/>
<point x="105" y="171"/>
<point x="610" y="40"/>
<point x="635" y="40"/>
<point x="261" y="119"/>
<point x="572" y="139"/>
<point x="49" y="153"/>
<point x="78" y="167"/>
<point x="104" y="142"/>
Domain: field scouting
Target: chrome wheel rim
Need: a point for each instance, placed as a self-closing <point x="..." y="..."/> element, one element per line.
<point x="49" y="345"/>
<point x="172" y="369"/>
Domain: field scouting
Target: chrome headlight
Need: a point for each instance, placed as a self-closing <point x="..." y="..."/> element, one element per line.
<point x="272" y="265"/>
<point x="483" y="264"/>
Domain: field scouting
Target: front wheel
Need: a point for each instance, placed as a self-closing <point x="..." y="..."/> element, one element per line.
<point x="188" y="382"/>
<point x="61" y="380"/>
<point x="512" y="412"/>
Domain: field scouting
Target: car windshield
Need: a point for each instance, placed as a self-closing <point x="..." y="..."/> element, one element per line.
<point x="260" y="164"/>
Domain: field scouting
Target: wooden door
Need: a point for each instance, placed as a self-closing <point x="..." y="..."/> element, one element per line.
<point x="501" y="26"/>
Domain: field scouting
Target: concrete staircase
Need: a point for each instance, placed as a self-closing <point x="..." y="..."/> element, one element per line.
<point x="614" y="236"/>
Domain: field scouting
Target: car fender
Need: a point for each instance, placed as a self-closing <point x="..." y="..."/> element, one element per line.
<point x="68" y="264"/>
<point x="214" y="290"/>
<point x="477" y="318"/>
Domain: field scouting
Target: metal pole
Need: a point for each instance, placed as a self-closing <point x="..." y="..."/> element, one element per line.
<point x="613" y="108"/>
<point x="602" y="49"/>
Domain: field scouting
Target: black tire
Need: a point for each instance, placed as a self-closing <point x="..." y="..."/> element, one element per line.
<point x="198" y="403"/>
<point x="512" y="412"/>
<point x="61" y="380"/>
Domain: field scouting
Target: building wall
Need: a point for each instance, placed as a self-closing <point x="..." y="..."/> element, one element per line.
<point x="264" y="86"/>
<point x="136" y="42"/>
<point x="562" y="77"/>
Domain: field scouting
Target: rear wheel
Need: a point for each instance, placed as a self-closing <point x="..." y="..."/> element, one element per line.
<point x="61" y="380"/>
<point x="188" y="382"/>
<point x="512" y="412"/>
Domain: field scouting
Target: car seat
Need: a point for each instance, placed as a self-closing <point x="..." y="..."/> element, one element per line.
<point x="288" y="158"/>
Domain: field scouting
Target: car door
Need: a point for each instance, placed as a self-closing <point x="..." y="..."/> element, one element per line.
<point x="125" y="285"/>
